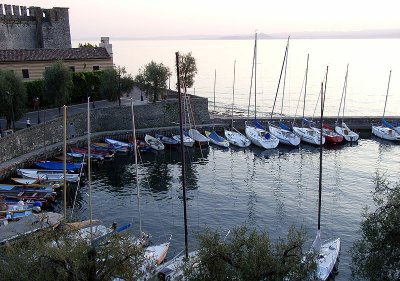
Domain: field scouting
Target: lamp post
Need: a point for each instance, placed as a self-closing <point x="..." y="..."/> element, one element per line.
<point x="36" y="103"/>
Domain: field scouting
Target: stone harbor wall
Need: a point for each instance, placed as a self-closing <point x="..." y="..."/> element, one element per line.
<point x="161" y="114"/>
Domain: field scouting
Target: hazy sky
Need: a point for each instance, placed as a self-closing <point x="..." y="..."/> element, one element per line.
<point x="146" y="18"/>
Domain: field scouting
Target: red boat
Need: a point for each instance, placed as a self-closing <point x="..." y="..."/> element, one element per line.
<point x="330" y="135"/>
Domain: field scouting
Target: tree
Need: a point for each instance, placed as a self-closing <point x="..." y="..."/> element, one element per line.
<point x="87" y="45"/>
<point x="187" y="70"/>
<point x="115" y="82"/>
<point x="13" y="98"/>
<point x="62" y="255"/>
<point x="375" y="255"/>
<point x="57" y="85"/>
<point x="109" y="84"/>
<point x="250" y="255"/>
<point x="152" y="80"/>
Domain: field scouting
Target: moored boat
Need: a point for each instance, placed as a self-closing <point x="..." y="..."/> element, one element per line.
<point x="285" y="136"/>
<point x="216" y="139"/>
<point x="58" y="165"/>
<point x="199" y="139"/>
<point x="155" y="143"/>
<point x="330" y="135"/>
<point x="167" y="141"/>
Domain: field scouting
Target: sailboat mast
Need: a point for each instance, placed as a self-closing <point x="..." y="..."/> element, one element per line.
<point x="65" y="164"/>
<point x="89" y="165"/>
<point x="182" y="157"/>
<point x="305" y="89"/>
<point x="255" y="78"/>
<point x="343" y="98"/>
<point x="252" y="75"/>
<point x="233" y="89"/>
<point x="387" y="93"/>
<point x="215" y="81"/>
<point x="136" y="168"/>
<point x="345" y="92"/>
<point x="280" y="76"/>
<point x="323" y="92"/>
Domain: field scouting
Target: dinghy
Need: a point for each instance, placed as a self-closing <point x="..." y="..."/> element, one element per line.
<point x="216" y="139"/>
<point x="187" y="141"/>
<point x="155" y="143"/>
<point x="55" y="165"/>
<point x="200" y="139"/>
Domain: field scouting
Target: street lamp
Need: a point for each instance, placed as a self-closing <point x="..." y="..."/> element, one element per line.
<point x="36" y="104"/>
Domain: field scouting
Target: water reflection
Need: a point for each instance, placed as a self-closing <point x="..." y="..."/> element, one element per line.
<point x="267" y="189"/>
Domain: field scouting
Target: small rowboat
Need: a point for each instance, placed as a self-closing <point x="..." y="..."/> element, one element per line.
<point x="118" y="143"/>
<point x="330" y="135"/>
<point x="155" y="144"/>
<point x="58" y="165"/>
<point x="168" y="142"/>
<point x="216" y="139"/>
<point x="25" y="181"/>
<point x="6" y="188"/>
<point x="187" y="141"/>
<point x="200" y="139"/>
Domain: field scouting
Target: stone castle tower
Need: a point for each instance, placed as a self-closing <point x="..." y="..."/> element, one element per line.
<point x="34" y="27"/>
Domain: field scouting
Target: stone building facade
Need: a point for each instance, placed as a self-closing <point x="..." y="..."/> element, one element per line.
<point x="34" y="27"/>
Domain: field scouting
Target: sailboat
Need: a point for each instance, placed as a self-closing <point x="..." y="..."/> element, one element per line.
<point x="305" y="132"/>
<point x="341" y="128"/>
<point x="329" y="250"/>
<point x="233" y="136"/>
<point x="386" y="130"/>
<point x="257" y="133"/>
<point x="283" y="133"/>
<point x="216" y="139"/>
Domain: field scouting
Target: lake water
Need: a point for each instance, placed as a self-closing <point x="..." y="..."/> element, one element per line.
<point x="270" y="190"/>
<point x="370" y="61"/>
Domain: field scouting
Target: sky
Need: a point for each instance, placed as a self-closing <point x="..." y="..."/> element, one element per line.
<point x="164" y="18"/>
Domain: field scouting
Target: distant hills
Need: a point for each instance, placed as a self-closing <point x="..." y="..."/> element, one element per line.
<point x="364" y="34"/>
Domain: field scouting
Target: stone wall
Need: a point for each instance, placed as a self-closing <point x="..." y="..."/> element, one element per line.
<point x="34" y="27"/>
<point x="161" y="114"/>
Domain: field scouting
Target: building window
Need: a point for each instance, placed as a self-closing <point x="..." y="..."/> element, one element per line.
<point x="72" y="68"/>
<point x="96" y="67"/>
<point x="25" y="73"/>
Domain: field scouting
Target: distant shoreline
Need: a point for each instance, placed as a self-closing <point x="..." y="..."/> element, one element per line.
<point x="366" y="34"/>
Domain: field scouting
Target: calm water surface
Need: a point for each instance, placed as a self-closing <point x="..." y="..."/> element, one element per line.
<point x="270" y="190"/>
<point x="370" y="61"/>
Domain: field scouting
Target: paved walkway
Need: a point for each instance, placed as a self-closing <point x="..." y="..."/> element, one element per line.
<point x="36" y="117"/>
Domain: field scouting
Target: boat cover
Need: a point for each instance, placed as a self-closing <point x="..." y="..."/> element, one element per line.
<point x="258" y="124"/>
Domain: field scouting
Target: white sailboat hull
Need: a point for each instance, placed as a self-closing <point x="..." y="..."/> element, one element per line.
<point x="327" y="258"/>
<point x="261" y="138"/>
<point x="346" y="133"/>
<point x="285" y="136"/>
<point x="308" y="135"/>
<point x="385" y="133"/>
<point x="236" y="138"/>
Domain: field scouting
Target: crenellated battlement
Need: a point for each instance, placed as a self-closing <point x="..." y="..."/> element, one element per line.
<point x="24" y="27"/>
